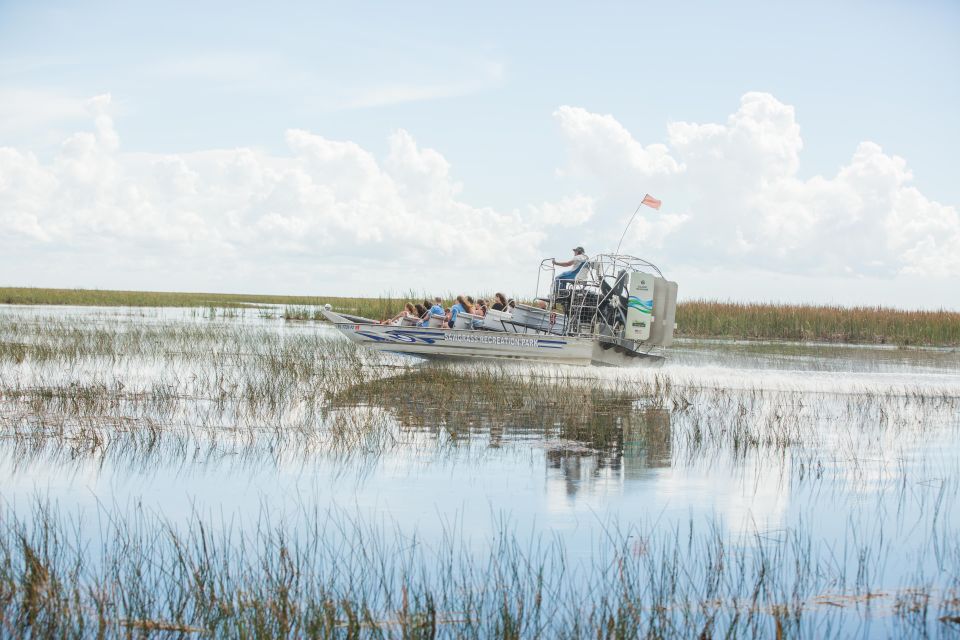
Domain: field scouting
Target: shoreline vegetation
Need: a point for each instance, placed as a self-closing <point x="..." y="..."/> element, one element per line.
<point x="695" y="318"/>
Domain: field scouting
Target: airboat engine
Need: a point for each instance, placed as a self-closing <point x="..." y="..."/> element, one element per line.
<point x="623" y="302"/>
<point x="651" y="309"/>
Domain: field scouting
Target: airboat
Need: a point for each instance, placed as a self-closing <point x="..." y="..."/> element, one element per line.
<point x="618" y="310"/>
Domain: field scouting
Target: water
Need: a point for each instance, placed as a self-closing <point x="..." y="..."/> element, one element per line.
<point x="848" y="447"/>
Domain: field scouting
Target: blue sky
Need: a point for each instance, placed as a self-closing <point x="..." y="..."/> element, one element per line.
<point x="482" y="88"/>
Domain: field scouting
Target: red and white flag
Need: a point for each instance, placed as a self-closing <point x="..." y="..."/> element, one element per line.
<point x="650" y="201"/>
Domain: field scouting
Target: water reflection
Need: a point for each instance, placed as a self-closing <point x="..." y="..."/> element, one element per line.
<point x="586" y="433"/>
<point x="814" y="357"/>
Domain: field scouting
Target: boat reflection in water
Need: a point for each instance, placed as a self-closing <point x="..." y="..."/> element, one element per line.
<point x="640" y="443"/>
<point x="588" y="434"/>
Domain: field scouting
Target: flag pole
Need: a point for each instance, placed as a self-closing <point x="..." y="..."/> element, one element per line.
<point x="623" y="235"/>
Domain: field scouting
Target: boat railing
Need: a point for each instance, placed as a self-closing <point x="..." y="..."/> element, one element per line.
<point x="594" y="301"/>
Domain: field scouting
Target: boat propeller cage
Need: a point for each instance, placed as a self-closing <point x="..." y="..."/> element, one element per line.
<point x="621" y="298"/>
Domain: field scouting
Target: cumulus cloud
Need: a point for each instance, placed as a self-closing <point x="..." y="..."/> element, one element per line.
<point x="571" y="211"/>
<point x="735" y="196"/>
<point x="601" y="141"/>
<point x="323" y="198"/>
<point x="732" y="191"/>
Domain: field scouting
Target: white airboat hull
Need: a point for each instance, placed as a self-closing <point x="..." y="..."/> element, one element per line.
<point x="428" y="342"/>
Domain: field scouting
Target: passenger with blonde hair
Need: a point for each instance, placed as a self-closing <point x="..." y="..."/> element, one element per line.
<point x="409" y="311"/>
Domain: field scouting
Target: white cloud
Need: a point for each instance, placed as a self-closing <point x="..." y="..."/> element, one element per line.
<point x="742" y="203"/>
<point x="330" y="215"/>
<point x="325" y="200"/>
<point x="599" y="142"/>
<point x="571" y="211"/>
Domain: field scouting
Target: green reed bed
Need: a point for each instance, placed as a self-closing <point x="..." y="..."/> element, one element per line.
<point x="330" y="575"/>
<point x="695" y="318"/>
<point x="861" y="325"/>
<point x="110" y="298"/>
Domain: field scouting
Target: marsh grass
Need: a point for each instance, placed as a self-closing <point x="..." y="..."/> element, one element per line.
<point x="76" y="380"/>
<point x="695" y="318"/>
<point x="255" y="401"/>
<point x="332" y="574"/>
<point x="143" y="397"/>
<point x="110" y="298"/>
<point x="859" y="325"/>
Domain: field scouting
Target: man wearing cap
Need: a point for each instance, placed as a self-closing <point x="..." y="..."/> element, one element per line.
<point x="579" y="259"/>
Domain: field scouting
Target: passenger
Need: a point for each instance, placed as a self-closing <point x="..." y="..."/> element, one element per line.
<point x="481" y="308"/>
<point x="436" y="309"/>
<point x="579" y="259"/>
<point x="461" y="306"/>
<point x="409" y="311"/>
<point x="500" y="303"/>
<point x="470" y="304"/>
<point x="421" y="311"/>
<point x="511" y="305"/>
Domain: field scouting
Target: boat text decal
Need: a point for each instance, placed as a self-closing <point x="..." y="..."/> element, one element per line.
<point x="492" y="339"/>
<point x="417" y="336"/>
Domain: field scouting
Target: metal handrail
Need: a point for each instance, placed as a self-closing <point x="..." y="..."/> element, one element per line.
<point x="600" y="267"/>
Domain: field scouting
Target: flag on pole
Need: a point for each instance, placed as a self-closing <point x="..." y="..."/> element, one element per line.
<point x="650" y="201"/>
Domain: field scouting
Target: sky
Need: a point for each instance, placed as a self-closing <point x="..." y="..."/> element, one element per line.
<point x="803" y="152"/>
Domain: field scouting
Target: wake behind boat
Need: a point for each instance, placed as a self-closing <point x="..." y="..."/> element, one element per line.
<point x="617" y="310"/>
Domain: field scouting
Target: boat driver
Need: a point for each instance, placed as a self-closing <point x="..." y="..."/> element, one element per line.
<point x="576" y="263"/>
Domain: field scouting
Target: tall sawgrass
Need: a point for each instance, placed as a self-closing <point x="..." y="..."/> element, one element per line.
<point x="695" y="318"/>
<point x="864" y="325"/>
<point x="110" y="298"/>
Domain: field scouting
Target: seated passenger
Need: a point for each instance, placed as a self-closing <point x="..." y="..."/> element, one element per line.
<point x="436" y="309"/>
<point x="461" y="306"/>
<point x="481" y="308"/>
<point x="409" y="311"/>
<point x="500" y="302"/>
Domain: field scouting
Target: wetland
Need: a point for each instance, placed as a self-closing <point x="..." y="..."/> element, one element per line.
<point x="187" y="472"/>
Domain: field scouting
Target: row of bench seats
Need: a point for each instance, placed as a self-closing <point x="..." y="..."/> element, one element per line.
<point x="492" y="321"/>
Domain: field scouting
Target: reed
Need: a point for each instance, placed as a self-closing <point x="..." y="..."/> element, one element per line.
<point x="329" y="575"/>
<point x="861" y="325"/>
<point x="695" y="318"/>
<point x="111" y="298"/>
